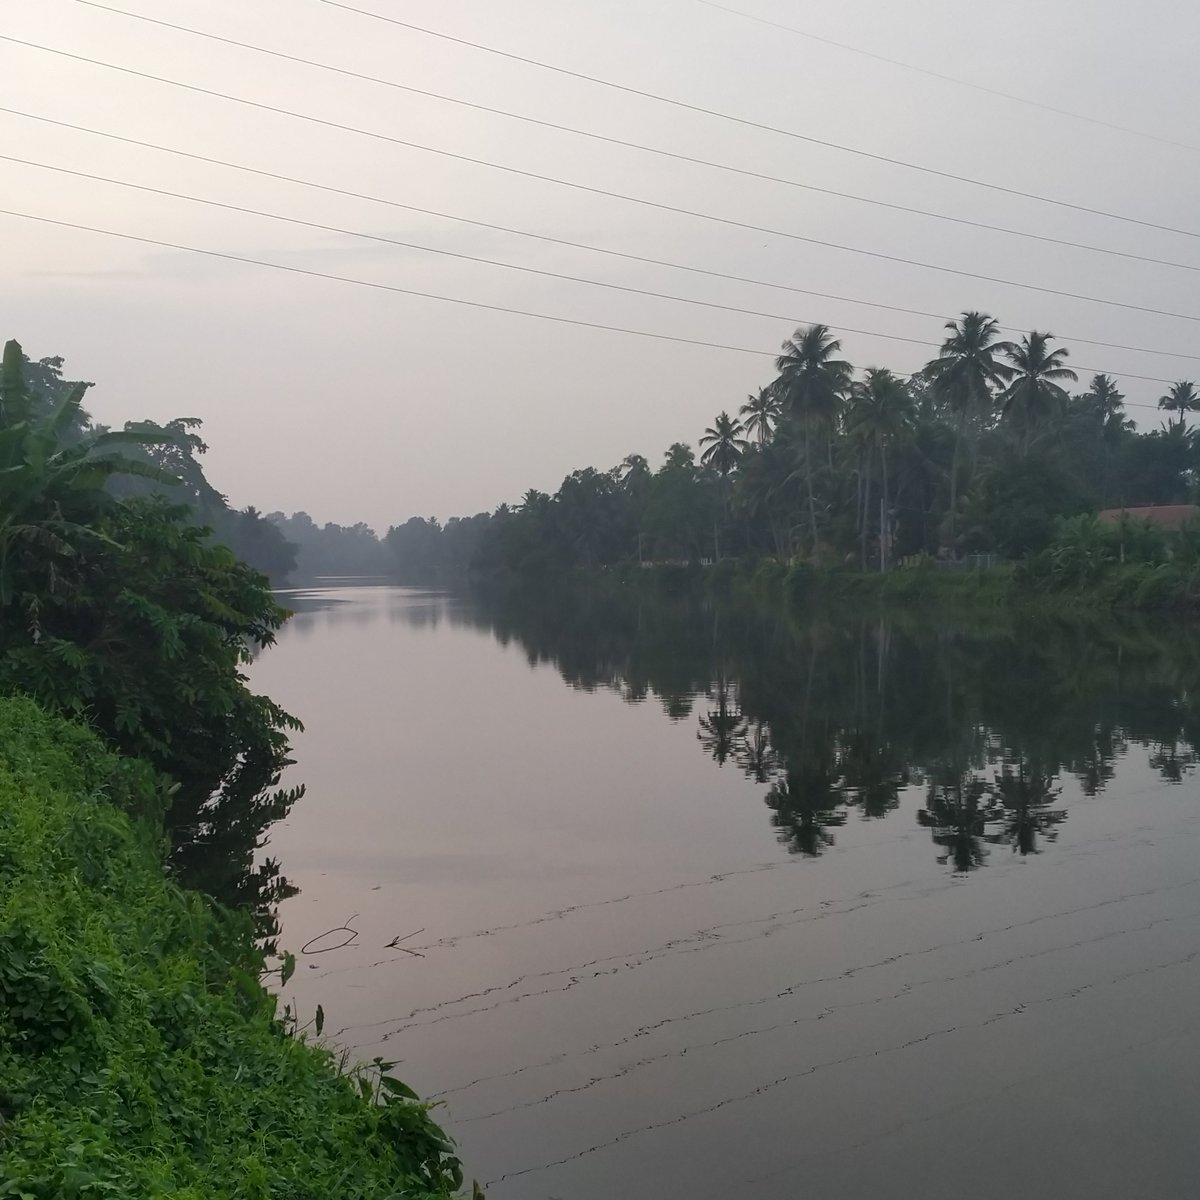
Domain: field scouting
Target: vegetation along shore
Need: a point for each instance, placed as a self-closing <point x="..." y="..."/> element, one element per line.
<point x="141" y="1053"/>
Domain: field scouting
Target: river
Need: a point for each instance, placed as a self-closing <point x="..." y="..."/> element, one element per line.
<point x="667" y="900"/>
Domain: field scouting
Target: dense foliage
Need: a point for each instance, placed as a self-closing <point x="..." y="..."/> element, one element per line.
<point x="172" y="452"/>
<point x="983" y="450"/>
<point x="137" y="1057"/>
<point x="122" y="610"/>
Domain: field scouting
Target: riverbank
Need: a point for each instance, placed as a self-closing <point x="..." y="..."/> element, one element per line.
<point x="140" y="1054"/>
<point x="1048" y="582"/>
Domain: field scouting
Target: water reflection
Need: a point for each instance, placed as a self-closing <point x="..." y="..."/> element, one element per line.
<point x="840" y="716"/>
<point x="832" y="718"/>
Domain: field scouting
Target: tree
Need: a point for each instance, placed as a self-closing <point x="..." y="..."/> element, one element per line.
<point x="1035" y="396"/>
<point x="1181" y="399"/>
<point x="811" y="386"/>
<point x="881" y="412"/>
<point x="762" y="414"/>
<point x="725" y="444"/>
<point x="965" y="375"/>
<point x="1107" y="403"/>
<point x="52" y="476"/>
<point x="123" y="612"/>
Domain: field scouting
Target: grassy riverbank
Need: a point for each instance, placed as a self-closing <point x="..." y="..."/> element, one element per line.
<point x="139" y="1054"/>
<point x="1053" y="583"/>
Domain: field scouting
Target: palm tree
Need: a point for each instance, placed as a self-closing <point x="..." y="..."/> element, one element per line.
<point x="1106" y="400"/>
<point x="725" y="444"/>
<point x="1181" y="399"/>
<point x="811" y="385"/>
<point x="881" y="412"/>
<point x="965" y="374"/>
<point x="761" y="413"/>
<point x="1108" y="405"/>
<point x="633" y="469"/>
<point x="1035" y="394"/>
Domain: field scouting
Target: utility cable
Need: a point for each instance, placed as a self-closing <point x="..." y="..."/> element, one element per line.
<point x="492" y="262"/>
<point x="385" y="287"/>
<point x="557" y="241"/>
<point x="670" y="154"/>
<point x="747" y="123"/>
<point x="478" y="304"/>
<point x="967" y="83"/>
<point x="728" y="221"/>
<point x="474" y="258"/>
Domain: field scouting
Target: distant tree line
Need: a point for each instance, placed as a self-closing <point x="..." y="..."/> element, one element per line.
<point x="983" y="449"/>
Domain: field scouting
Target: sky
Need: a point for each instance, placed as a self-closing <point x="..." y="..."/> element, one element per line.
<point x="357" y="402"/>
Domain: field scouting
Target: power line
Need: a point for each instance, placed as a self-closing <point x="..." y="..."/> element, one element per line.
<point x="385" y="287"/>
<point x="403" y="291"/>
<point x="629" y="145"/>
<point x="475" y="258"/>
<point x="875" y="254"/>
<point x="542" y="237"/>
<point x="967" y="83"/>
<point x="492" y="262"/>
<point x="744" y="121"/>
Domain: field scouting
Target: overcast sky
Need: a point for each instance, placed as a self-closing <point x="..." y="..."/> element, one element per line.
<point x="356" y="403"/>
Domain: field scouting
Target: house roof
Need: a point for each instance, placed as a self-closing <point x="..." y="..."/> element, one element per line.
<point x="1170" y="515"/>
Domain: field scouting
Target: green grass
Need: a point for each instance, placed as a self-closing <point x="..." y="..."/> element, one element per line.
<point x="139" y="1055"/>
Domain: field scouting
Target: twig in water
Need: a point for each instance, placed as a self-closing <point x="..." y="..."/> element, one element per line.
<point x="394" y="944"/>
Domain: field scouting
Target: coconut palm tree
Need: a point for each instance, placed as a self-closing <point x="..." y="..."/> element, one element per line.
<point x="762" y="414"/>
<point x="811" y="386"/>
<point x="633" y="469"/>
<point x="1035" y="394"/>
<point x="1181" y="399"/>
<point x="1108" y="405"/>
<point x="1105" y="398"/>
<point x="725" y="444"/>
<point x="966" y="374"/>
<point x="881" y="411"/>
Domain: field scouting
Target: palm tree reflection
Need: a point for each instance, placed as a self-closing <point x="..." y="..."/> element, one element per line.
<point x="806" y="804"/>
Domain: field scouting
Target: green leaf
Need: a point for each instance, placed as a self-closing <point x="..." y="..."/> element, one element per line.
<point x="397" y="1088"/>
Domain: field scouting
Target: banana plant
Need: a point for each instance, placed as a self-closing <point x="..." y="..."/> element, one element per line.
<point x="52" y="494"/>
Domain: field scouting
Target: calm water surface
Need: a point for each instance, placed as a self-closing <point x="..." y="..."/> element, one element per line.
<point x="712" y="903"/>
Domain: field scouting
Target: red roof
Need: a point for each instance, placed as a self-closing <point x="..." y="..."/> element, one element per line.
<point x="1171" y="515"/>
